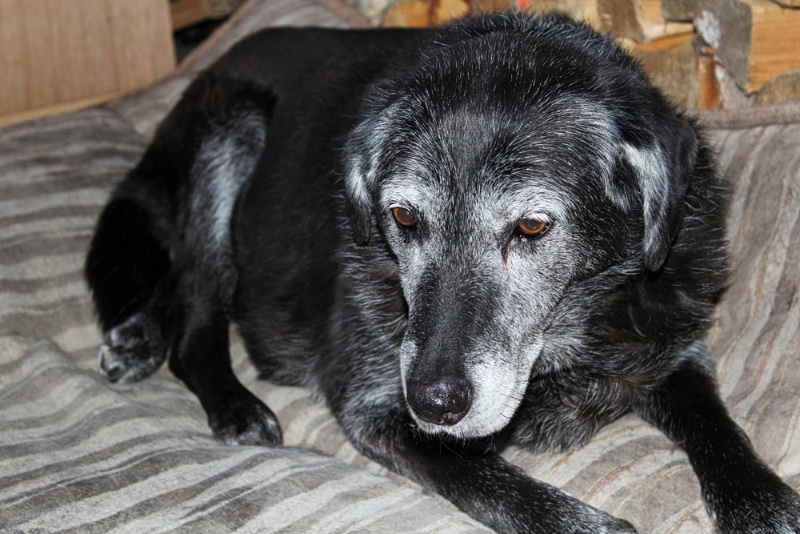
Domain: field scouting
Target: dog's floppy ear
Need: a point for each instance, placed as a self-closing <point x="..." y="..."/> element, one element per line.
<point x="363" y="153"/>
<point x="662" y="163"/>
<point x="359" y="179"/>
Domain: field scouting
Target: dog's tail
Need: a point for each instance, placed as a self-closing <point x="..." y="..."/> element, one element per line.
<point x="143" y="227"/>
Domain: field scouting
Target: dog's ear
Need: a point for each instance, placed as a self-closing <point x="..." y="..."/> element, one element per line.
<point x="662" y="163"/>
<point x="358" y="185"/>
<point x="363" y="154"/>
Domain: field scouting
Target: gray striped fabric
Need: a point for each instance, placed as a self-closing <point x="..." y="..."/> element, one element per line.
<point x="78" y="454"/>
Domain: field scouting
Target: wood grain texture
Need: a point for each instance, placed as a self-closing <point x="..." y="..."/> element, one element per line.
<point x="756" y="40"/>
<point x="61" y="54"/>
<point x="640" y="20"/>
<point x="408" y="14"/>
<point x="672" y="64"/>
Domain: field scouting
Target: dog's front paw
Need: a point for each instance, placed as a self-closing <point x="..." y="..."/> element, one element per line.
<point x="564" y="514"/>
<point x="244" y="420"/>
<point x="602" y="523"/>
<point x="619" y="526"/>
<point x="581" y="519"/>
<point x="761" y="503"/>
<point x="132" y="350"/>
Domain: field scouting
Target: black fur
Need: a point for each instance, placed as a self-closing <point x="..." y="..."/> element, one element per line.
<point x="266" y="199"/>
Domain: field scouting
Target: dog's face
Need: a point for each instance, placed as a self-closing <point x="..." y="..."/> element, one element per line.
<point x="497" y="183"/>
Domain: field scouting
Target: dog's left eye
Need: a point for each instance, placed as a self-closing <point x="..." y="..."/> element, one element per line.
<point x="532" y="227"/>
<point x="404" y="217"/>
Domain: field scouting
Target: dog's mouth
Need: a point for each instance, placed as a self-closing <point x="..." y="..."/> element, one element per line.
<point x="476" y="405"/>
<point x="462" y="415"/>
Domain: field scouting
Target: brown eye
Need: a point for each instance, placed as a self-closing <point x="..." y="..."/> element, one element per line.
<point x="533" y="227"/>
<point x="404" y="217"/>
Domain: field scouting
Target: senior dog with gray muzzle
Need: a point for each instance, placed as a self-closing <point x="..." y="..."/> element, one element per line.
<point x="493" y="232"/>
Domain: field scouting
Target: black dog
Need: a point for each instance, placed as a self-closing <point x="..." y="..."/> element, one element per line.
<point x="495" y="231"/>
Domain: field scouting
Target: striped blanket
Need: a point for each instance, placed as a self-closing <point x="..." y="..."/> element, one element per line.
<point x="80" y="455"/>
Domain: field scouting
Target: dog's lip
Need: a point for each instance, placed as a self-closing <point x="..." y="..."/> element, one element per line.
<point x="475" y="423"/>
<point x="459" y="430"/>
<point x="490" y="410"/>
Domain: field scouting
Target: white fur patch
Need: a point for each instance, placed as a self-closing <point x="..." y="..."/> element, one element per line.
<point x="356" y="181"/>
<point x="653" y="178"/>
<point x="224" y="162"/>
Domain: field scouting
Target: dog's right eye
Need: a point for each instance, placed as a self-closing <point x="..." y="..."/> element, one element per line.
<point x="404" y="217"/>
<point x="533" y="227"/>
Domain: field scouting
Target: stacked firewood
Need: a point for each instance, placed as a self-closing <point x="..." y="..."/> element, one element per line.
<point x="703" y="53"/>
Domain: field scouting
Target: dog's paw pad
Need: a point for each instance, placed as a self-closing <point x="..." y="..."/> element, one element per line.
<point x="773" y="507"/>
<point x="124" y="367"/>
<point x="599" y="522"/>
<point x="132" y="350"/>
<point x="110" y="364"/>
<point x="613" y="525"/>
<point x="620" y="526"/>
<point x="253" y="425"/>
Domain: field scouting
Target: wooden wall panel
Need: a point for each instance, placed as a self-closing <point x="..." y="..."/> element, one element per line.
<point x="64" y="54"/>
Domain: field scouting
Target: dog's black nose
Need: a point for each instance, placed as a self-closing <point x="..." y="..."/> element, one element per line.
<point x="445" y="402"/>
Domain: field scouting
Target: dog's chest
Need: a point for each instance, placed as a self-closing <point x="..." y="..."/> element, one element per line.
<point x="563" y="411"/>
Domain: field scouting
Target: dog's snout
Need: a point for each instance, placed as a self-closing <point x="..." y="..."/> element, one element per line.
<point x="445" y="402"/>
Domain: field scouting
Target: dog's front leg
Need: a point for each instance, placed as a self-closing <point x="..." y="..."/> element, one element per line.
<point x="201" y="359"/>
<point x="742" y="495"/>
<point x="483" y="485"/>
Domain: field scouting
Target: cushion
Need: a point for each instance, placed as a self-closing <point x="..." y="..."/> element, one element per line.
<point x="78" y="453"/>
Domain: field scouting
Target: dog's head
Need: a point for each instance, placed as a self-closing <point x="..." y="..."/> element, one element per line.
<point x="516" y="159"/>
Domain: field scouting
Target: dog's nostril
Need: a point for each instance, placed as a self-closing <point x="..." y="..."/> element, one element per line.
<point x="442" y="403"/>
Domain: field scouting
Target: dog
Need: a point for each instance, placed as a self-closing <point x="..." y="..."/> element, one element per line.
<point x="493" y="232"/>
